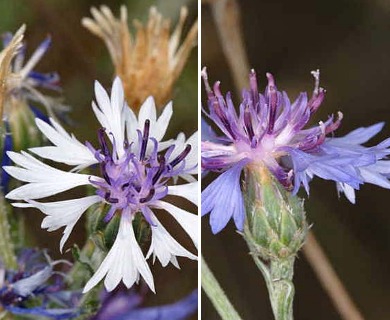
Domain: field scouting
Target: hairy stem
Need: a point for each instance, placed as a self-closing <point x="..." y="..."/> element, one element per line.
<point x="7" y="253"/>
<point x="216" y="295"/>
<point x="80" y="272"/>
<point x="282" y="294"/>
<point x="5" y="315"/>
<point x="278" y="275"/>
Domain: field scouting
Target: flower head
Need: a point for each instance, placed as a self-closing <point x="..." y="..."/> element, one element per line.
<point x="6" y="56"/>
<point x="136" y="169"/>
<point x="23" y="82"/>
<point x="19" y="95"/>
<point x="272" y="132"/>
<point x="149" y="62"/>
<point x="33" y="289"/>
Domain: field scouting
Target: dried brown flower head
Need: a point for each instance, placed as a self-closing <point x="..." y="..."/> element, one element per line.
<point x="6" y="56"/>
<point x="148" y="62"/>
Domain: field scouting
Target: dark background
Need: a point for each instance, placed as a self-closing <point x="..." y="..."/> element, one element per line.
<point x="80" y="58"/>
<point x="349" y="41"/>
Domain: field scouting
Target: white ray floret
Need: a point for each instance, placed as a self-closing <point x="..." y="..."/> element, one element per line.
<point x="165" y="247"/>
<point x="61" y="213"/>
<point x="192" y="158"/>
<point x="188" y="191"/>
<point x="187" y="220"/>
<point x="67" y="149"/>
<point x="43" y="180"/>
<point x="124" y="262"/>
<point x="158" y="126"/>
<point x="109" y="112"/>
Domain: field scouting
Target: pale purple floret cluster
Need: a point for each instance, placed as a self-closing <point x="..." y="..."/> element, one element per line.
<point x="270" y="131"/>
<point x="135" y="179"/>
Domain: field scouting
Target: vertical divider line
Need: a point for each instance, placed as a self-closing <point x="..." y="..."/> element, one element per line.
<point x="199" y="158"/>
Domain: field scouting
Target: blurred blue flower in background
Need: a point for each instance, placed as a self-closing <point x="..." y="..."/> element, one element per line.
<point x="125" y="305"/>
<point x="36" y="289"/>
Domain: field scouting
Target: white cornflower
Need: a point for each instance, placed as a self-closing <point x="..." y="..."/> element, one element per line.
<point x="134" y="178"/>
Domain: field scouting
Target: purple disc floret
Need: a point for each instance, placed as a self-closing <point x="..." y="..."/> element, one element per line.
<point x="135" y="180"/>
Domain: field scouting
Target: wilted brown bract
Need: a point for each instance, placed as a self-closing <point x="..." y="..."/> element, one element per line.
<point x="5" y="63"/>
<point x="149" y="62"/>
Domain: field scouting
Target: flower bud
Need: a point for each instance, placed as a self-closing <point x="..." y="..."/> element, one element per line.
<point x="276" y="219"/>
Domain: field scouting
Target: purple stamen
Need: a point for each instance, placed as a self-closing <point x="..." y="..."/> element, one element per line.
<point x="108" y="198"/>
<point x="145" y="139"/>
<point x="318" y="93"/>
<point x="334" y="125"/>
<point x="161" y="160"/>
<point x="216" y="103"/>
<point x="104" y="173"/>
<point x="272" y="96"/>
<point x="148" y="197"/>
<point x="125" y="185"/>
<point x="114" y="151"/>
<point x="103" y="142"/>
<point x="248" y="123"/>
<point x="181" y="156"/>
<point x="220" y="113"/>
<point x="253" y="86"/>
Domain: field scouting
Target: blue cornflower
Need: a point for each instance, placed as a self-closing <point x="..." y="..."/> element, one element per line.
<point x="36" y="289"/>
<point x="270" y="131"/>
<point x="125" y="305"/>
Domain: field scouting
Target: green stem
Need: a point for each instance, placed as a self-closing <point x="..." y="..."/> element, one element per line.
<point x="7" y="253"/>
<point x="4" y="315"/>
<point x="90" y="303"/>
<point x="79" y="270"/>
<point x="216" y="294"/>
<point x="278" y="278"/>
<point x="282" y="288"/>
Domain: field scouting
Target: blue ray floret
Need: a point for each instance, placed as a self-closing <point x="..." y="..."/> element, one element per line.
<point x="270" y="131"/>
<point x="26" y="81"/>
<point x="5" y="160"/>
<point x="30" y="77"/>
